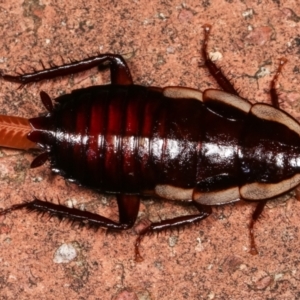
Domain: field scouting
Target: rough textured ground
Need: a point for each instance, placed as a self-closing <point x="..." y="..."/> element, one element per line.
<point x="161" y="40"/>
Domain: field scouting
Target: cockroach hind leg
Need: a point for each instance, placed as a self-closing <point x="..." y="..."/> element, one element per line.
<point x="14" y="207"/>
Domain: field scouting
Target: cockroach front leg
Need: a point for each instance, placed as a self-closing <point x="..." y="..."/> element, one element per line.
<point x="120" y="73"/>
<point x="204" y="212"/>
<point x="261" y="204"/>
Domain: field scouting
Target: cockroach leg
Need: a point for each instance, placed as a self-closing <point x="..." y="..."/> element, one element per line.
<point x="128" y="203"/>
<point x="256" y="214"/>
<point x="297" y="193"/>
<point x="273" y="90"/>
<point x="120" y="73"/>
<point x="260" y="206"/>
<point x="128" y="209"/>
<point x="177" y="222"/>
<point x="215" y="71"/>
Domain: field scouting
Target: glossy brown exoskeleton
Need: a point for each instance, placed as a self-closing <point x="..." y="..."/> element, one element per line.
<point x="209" y="148"/>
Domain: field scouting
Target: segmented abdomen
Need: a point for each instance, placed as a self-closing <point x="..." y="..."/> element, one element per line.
<point x="125" y="139"/>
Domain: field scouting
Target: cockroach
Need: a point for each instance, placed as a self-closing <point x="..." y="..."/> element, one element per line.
<point x="176" y="143"/>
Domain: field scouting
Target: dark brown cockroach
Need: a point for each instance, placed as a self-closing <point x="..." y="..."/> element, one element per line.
<point x="209" y="148"/>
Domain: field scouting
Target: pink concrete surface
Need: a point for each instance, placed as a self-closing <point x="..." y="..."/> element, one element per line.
<point x="45" y="259"/>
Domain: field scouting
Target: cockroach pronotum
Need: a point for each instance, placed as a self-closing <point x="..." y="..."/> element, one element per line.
<point x="176" y="143"/>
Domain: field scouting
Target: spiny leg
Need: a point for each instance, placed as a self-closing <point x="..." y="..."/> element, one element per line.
<point x="273" y="90"/>
<point x="120" y="73"/>
<point x="128" y="209"/>
<point x="256" y="214"/>
<point x="129" y="206"/>
<point x="205" y="211"/>
<point x="215" y="71"/>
